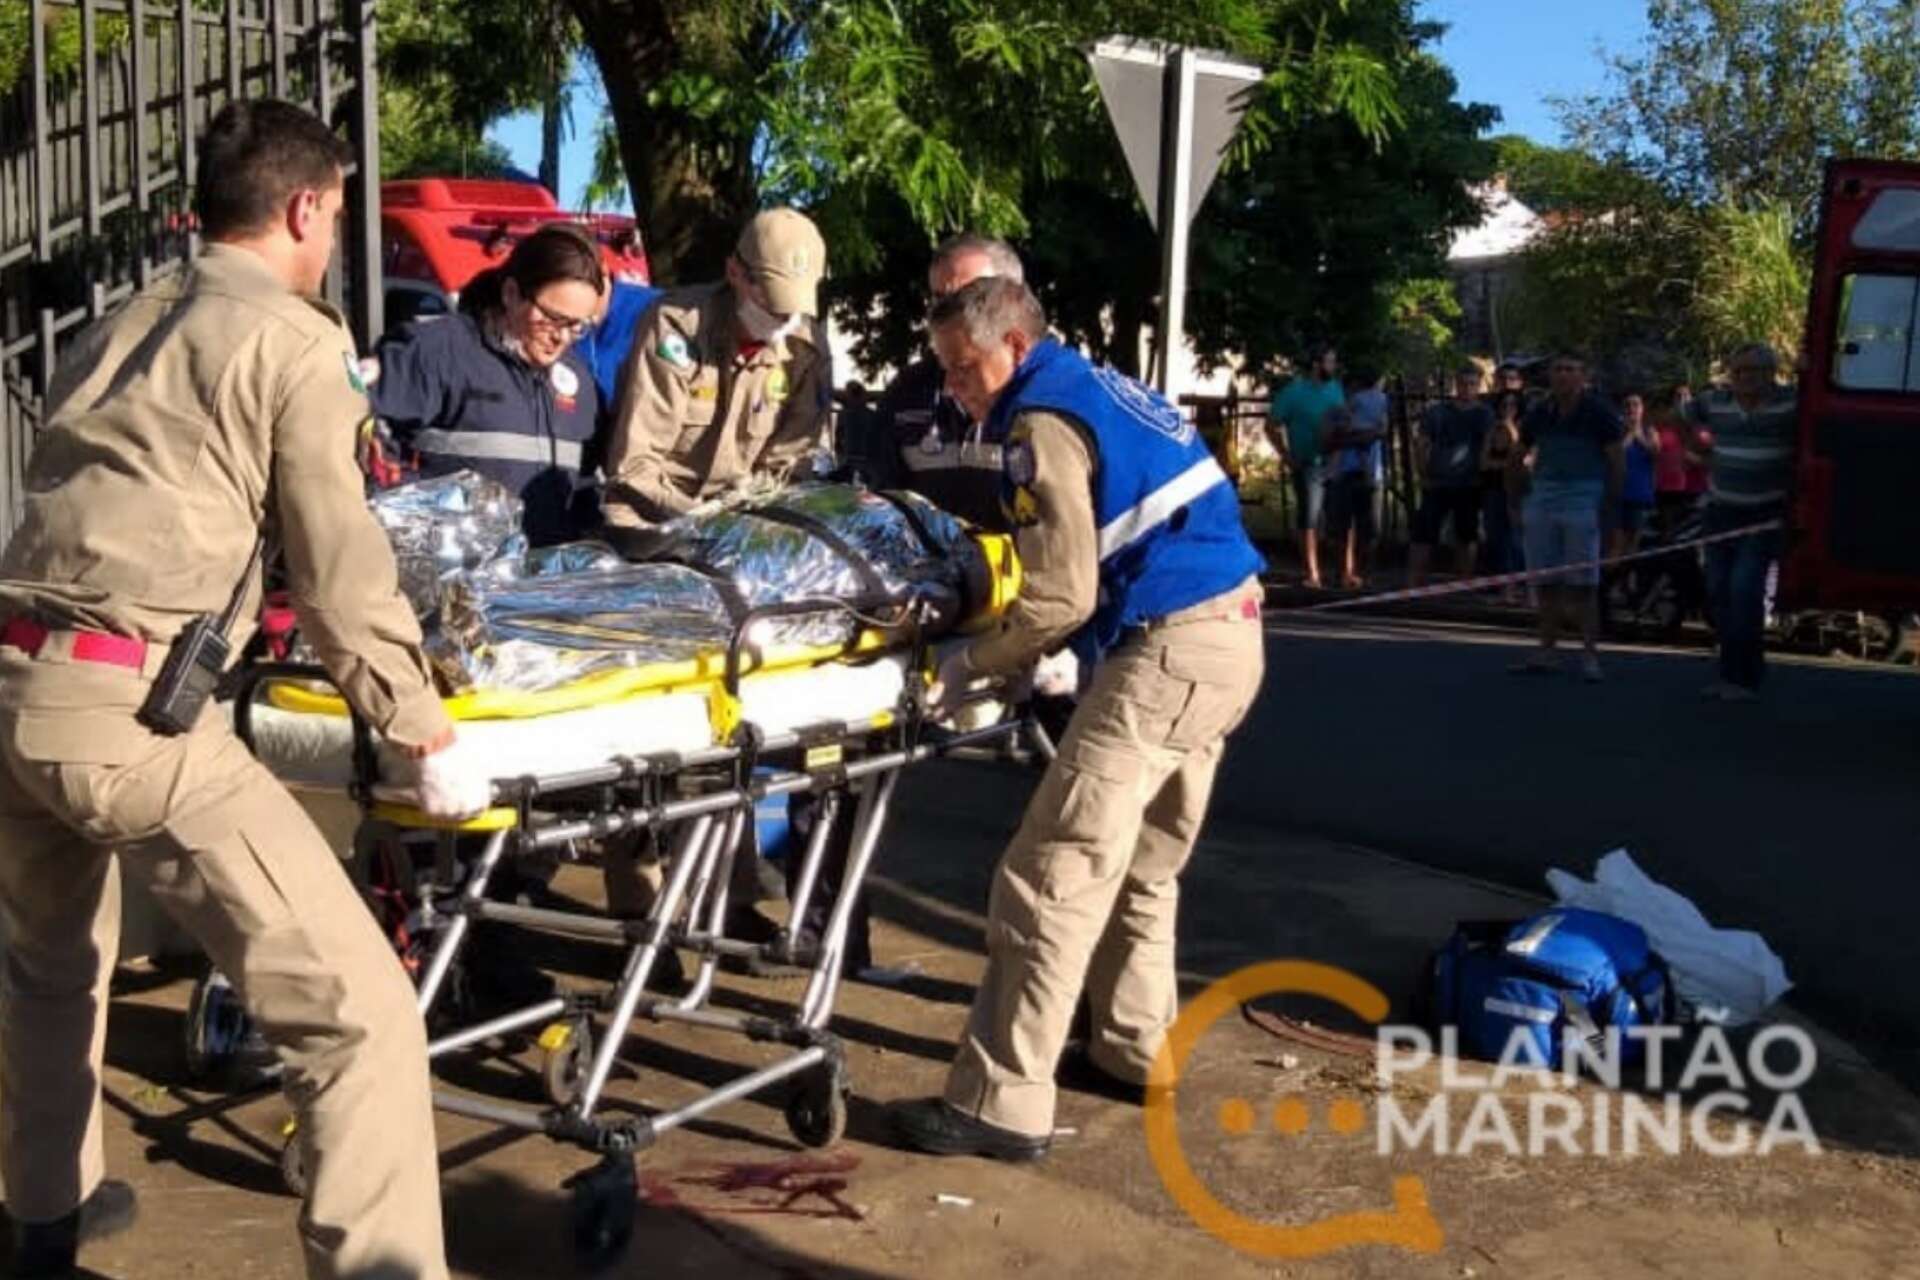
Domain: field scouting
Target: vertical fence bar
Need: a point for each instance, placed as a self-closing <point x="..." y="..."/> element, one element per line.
<point x="189" y="159"/>
<point x="42" y="184"/>
<point x="369" y="309"/>
<point x="277" y="38"/>
<point x="90" y="112"/>
<point x="234" y="87"/>
<point x="142" y="213"/>
<point x="322" y="63"/>
<point x="322" y="40"/>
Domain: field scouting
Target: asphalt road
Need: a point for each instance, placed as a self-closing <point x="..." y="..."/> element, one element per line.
<point x="1794" y="816"/>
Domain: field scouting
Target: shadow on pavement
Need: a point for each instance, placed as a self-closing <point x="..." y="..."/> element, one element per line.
<point x="500" y="1229"/>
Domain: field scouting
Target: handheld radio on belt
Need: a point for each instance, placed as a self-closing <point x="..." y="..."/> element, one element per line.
<point x="195" y="663"/>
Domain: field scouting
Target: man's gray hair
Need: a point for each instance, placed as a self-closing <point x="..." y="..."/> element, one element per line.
<point x="1001" y="259"/>
<point x="989" y="309"/>
<point x="1756" y="353"/>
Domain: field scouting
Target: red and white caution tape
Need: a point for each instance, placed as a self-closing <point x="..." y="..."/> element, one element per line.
<point x="1586" y="567"/>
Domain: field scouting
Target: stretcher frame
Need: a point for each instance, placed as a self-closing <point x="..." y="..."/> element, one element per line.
<point x="705" y="800"/>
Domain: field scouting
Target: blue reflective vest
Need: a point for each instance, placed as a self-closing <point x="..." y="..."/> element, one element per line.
<point x="604" y="348"/>
<point x="461" y="402"/>
<point x="1170" y="535"/>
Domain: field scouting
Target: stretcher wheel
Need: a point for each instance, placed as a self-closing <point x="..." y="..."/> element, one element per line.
<point x="293" y="1161"/>
<point x="605" y="1199"/>
<point x="817" y="1110"/>
<point x="567" y="1049"/>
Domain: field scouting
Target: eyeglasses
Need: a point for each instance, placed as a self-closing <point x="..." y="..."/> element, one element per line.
<point x="565" y="325"/>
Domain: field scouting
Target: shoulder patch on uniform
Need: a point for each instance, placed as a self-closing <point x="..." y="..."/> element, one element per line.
<point x="1024" y="508"/>
<point x="673" y="349"/>
<point x="355" y="378"/>
<point x="1020" y="464"/>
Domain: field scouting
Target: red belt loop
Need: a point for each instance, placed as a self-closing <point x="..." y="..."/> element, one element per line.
<point x="88" y="646"/>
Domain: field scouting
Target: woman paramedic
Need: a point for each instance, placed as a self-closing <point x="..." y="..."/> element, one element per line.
<point x="497" y="388"/>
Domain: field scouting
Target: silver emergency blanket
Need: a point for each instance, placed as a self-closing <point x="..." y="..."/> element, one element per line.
<point x="498" y="616"/>
<point x="443" y="527"/>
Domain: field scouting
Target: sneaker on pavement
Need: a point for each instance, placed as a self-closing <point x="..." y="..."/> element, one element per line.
<point x="1738" y="693"/>
<point x="1535" y="664"/>
<point x="1590" y="670"/>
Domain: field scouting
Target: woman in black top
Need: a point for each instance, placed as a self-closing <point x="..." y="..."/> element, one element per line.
<point x="1502" y="517"/>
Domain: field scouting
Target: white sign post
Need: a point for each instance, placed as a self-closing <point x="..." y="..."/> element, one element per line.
<point x="1175" y="110"/>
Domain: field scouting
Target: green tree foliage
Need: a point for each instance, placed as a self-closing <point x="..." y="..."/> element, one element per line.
<point x="1740" y="102"/>
<point x="1321" y="235"/>
<point x="1348" y="176"/>
<point x="1549" y="179"/>
<point x="959" y="110"/>
<point x="1753" y="282"/>
<point x="448" y="68"/>
<point x="420" y="139"/>
<point x="63" y="40"/>
<point x="1689" y="201"/>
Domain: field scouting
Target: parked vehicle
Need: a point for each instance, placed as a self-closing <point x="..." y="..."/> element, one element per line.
<point x="438" y="233"/>
<point x="1853" y="535"/>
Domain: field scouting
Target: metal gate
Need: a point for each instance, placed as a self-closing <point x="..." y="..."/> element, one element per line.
<point x="98" y="127"/>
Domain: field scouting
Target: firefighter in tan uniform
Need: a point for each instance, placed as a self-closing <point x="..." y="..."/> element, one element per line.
<point x="212" y="407"/>
<point x="1131" y="544"/>
<point x="726" y="382"/>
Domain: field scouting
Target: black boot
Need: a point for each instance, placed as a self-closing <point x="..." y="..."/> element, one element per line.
<point x="47" y="1250"/>
<point x="933" y="1126"/>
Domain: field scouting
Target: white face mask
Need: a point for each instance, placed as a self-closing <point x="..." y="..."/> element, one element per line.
<point x="764" y="326"/>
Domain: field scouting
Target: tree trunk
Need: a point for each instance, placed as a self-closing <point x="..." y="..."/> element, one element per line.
<point x="550" y="143"/>
<point x="689" y="194"/>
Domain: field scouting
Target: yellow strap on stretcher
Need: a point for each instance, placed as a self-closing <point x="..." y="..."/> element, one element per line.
<point x="405" y="815"/>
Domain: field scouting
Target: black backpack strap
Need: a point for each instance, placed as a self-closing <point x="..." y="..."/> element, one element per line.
<point x="873" y="587"/>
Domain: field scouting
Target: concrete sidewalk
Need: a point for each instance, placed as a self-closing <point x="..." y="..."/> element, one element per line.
<point x="734" y="1196"/>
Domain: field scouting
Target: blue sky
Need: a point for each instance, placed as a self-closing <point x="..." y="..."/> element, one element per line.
<point x="1513" y="54"/>
<point x="1516" y="54"/>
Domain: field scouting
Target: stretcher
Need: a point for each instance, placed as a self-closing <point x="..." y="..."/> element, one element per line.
<point x="688" y="751"/>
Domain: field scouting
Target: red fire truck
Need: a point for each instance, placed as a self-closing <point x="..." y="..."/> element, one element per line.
<point x="1854" y="534"/>
<point x="438" y="233"/>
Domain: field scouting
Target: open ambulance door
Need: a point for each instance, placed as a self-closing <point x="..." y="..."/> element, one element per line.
<point x="1854" y="537"/>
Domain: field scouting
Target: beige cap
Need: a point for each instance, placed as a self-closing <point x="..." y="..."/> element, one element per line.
<point x="783" y="252"/>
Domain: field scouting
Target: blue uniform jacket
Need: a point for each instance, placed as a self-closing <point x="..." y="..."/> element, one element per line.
<point x="456" y="398"/>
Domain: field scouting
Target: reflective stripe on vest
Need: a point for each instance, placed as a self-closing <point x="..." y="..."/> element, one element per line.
<point x="969" y="456"/>
<point x="1158" y="507"/>
<point x="499" y="446"/>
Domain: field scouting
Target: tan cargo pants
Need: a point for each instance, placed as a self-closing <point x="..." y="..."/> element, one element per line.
<point x="1087" y="893"/>
<point x="235" y="861"/>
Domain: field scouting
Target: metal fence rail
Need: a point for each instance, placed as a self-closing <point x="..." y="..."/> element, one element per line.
<point x="97" y="163"/>
<point x="1244" y="417"/>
